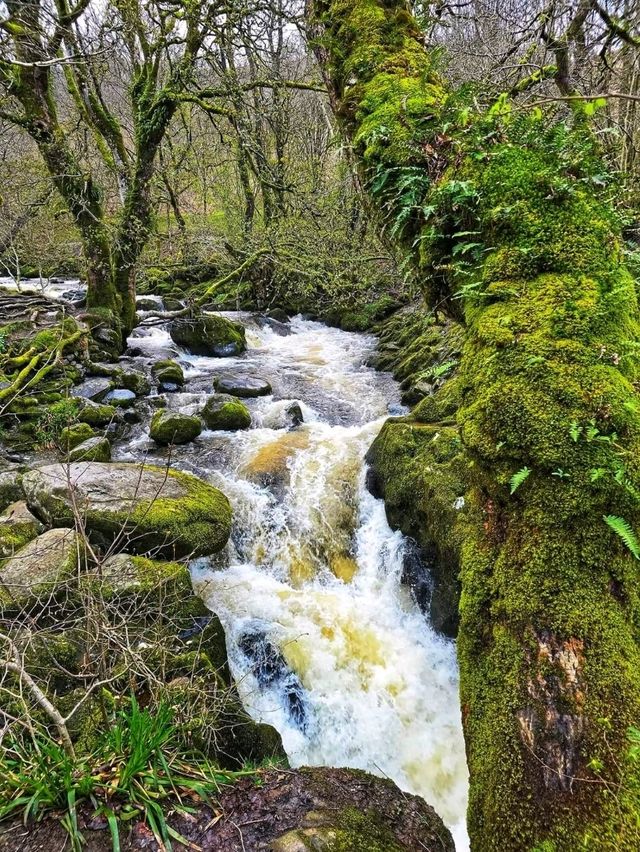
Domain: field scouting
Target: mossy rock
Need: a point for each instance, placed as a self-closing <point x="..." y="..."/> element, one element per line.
<point x="167" y="512"/>
<point x="223" y="412"/>
<point x="77" y="433"/>
<point x="209" y="334"/>
<point x="37" y="569"/>
<point x="135" y="381"/>
<point x="96" y="414"/>
<point x="93" y="450"/>
<point x="171" y="427"/>
<point x="419" y="471"/>
<point x="17" y="528"/>
<point x="168" y="372"/>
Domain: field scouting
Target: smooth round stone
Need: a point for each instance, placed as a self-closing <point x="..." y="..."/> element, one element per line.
<point x="242" y="386"/>
<point x="120" y="397"/>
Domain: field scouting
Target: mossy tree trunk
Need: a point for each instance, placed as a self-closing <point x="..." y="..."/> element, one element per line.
<point x="510" y="232"/>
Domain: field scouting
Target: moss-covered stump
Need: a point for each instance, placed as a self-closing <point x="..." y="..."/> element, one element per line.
<point x="37" y="570"/>
<point x="17" y="528"/>
<point x="209" y="334"/>
<point x="171" y="427"/>
<point x="156" y="510"/>
<point x="224" y="412"/>
<point x="418" y="469"/>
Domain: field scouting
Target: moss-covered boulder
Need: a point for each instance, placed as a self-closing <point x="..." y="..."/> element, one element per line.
<point x="171" y="427"/>
<point x="96" y="414"/>
<point x="77" y="433"/>
<point x="167" y="512"/>
<point x="224" y="412"/>
<point x="208" y="334"/>
<point x="93" y="450"/>
<point x="38" y="568"/>
<point x="418" y="469"/>
<point x="135" y="381"/>
<point x="17" y="527"/>
<point x="168" y="374"/>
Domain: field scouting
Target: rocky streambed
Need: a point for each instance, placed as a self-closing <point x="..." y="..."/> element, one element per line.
<point x="253" y="434"/>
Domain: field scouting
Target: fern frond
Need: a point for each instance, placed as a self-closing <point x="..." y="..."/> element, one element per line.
<point x="518" y="478"/>
<point x="623" y="529"/>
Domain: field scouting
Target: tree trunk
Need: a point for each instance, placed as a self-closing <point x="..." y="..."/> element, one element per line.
<point x="508" y="233"/>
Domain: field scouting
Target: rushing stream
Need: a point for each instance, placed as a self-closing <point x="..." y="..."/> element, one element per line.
<point x="324" y="641"/>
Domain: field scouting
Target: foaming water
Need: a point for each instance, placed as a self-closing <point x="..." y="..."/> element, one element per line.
<point x="312" y="578"/>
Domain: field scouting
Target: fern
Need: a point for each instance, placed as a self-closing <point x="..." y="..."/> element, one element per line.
<point x="518" y="478"/>
<point x="623" y="529"/>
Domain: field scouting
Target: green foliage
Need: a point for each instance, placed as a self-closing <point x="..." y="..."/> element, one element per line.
<point x="136" y="766"/>
<point x="54" y="419"/>
<point x="518" y="478"/>
<point x="623" y="529"/>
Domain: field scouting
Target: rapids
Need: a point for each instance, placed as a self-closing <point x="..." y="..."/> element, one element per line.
<point x="323" y="640"/>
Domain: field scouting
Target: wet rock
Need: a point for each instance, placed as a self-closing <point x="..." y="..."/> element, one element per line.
<point x="95" y="388"/>
<point x="208" y="334"/>
<point x="93" y="450"/>
<point x="152" y="509"/>
<point x="240" y="385"/>
<point x="171" y="427"/>
<point x="96" y="414"/>
<point x="168" y="375"/>
<point x="416" y="575"/>
<point x="149" y="303"/>
<point x="75" y="296"/>
<point x="121" y="398"/>
<point x="75" y="434"/>
<point x="283" y="329"/>
<point x="225" y="412"/>
<point x="294" y="415"/>
<point x="135" y="381"/>
<point x="278" y="314"/>
<point x="420" y="472"/>
<point x="36" y="569"/>
<point x="173" y="304"/>
<point x="17" y="527"/>
<point x="270" y="669"/>
<point x="132" y="416"/>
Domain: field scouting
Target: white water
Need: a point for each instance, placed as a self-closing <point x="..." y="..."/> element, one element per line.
<point x="315" y="570"/>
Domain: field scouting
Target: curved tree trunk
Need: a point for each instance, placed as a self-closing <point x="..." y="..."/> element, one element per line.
<point x="508" y="233"/>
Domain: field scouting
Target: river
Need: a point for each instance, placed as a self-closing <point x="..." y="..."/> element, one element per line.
<point x="324" y="641"/>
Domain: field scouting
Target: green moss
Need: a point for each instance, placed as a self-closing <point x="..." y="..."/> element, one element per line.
<point x="168" y="371"/>
<point x="71" y="436"/>
<point x="96" y="414"/>
<point x="224" y="412"/>
<point x="169" y="427"/>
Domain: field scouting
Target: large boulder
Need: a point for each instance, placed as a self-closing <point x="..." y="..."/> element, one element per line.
<point x="95" y="388"/>
<point x="171" y="427"/>
<point x="75" y="434"/>
<point x="208" y="334"/>
<point x="36" y="569"/>
<point x="96" y="414"/>
<point x="167" y="512"/>
<point x="10" y="486"/>
<point x="17" y="527"/>
<point x="224" y="412"/>
<point x="237" y="384"/>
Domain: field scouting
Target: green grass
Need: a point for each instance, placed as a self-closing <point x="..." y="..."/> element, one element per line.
<point x="136" y="767"/>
